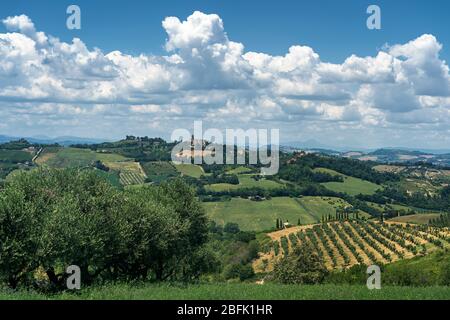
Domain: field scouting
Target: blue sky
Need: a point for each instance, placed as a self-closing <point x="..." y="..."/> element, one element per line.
<point x="335" y="29"/>
<point x="310" y="68"/>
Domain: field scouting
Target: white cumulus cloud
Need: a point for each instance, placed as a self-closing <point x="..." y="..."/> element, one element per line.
<point x="206" y="75"/>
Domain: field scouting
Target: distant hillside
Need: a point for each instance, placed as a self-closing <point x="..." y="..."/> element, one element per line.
<point x="63" y="141"/>
<point x="395" y="152"/>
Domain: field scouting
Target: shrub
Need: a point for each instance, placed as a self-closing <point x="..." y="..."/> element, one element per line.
<point x="239" y="271"/>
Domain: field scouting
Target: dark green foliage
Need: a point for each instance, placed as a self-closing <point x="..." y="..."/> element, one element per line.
<point x="16" y="145"/>
<point x="239" y="271"/>
<point x="55" y="218"/>
<point x="418" y="199"/>
<point x="220" y="178"/>
<point x="442" y="221"/>
<point x="302" y="266"/>
<point x="12" y="157"/>
<point x="245" y="236"/>
<point x="355" y="168"/>
<point x="143" y="149"/>
<point x="111" y="176"/>
<point x="431" y="270"/>
<point x="231" y="227"/>
<point x="18" y="236"/>
<point x="300" y="172"/>
<point x="236" y="250"/>
<point x="100" y="166"/>
<point x="284" y="244"/>
<point x="15" y="156"/>
<point x="276" y="247"/>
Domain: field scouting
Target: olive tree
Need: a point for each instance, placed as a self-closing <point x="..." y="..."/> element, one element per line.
<point x="302" y="266"/>
<point x="18" y="236"/>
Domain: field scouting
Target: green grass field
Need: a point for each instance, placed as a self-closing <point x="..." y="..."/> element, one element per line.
<point x="190" y="170"/>
<point x="352" y="186"/>
<point x="239" y="291"/>
<point x="239" y="170"/>
<point x="245" y="181"/>
<point x="73" y="157"/>
<point x="261" y="215"/>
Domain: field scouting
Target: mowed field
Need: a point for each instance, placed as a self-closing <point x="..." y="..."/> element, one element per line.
<point x="352" y="186"/>
<point x="262" y="215"/>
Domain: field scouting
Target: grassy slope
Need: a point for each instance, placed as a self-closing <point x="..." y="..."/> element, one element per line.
<point x="351" y="185"/>
<point x="73" y="157"/>
<point x="239" y="170"/>
<point x="261" y="215"/>
<point x="243" y="291"/>
<point x="423" y="218"/>
<point x="191" y="170"/>
<point x="15" y="156"/>
<point x="431" y="269"/>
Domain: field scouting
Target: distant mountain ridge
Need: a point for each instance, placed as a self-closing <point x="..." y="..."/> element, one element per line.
<point x="64" y="140"/>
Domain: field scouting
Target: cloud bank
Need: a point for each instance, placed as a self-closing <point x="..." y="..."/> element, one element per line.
<point x="58" y="88"/>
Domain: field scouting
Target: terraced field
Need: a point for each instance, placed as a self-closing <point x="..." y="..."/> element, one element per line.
<point x="346" y="243"/>
<point x="130" y="172"/>
<point x="128" y="178"/>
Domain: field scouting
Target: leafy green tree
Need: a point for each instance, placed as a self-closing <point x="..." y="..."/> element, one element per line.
<point x="52" y="218"/>
<point x="302" y="266"/>
<point x="18" y="236"/>
<point x="186" y="224"/>
<point x="152" y="234"/>
<point x="71" y="220"/>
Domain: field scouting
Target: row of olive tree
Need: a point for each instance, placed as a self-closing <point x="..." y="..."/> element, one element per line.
<point x="50" y="219"/>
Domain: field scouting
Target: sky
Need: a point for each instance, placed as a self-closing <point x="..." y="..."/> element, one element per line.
<point x="309" y="68"/>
